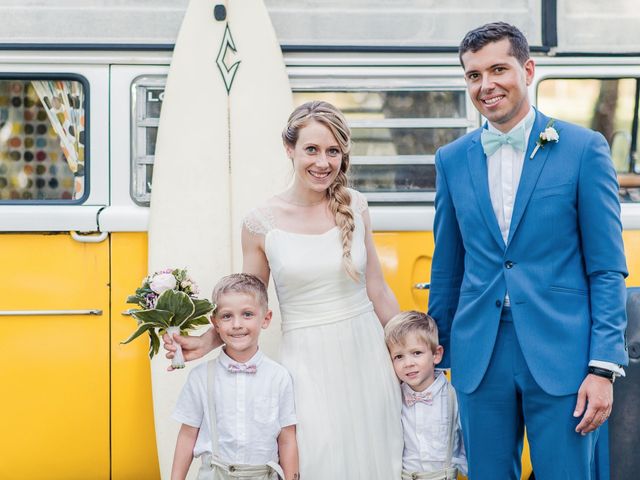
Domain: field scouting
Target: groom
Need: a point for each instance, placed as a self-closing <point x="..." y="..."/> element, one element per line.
<point x="528" y="272"/>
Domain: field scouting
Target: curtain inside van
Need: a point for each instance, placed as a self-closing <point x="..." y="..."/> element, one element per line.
<point x="63" y="101"/>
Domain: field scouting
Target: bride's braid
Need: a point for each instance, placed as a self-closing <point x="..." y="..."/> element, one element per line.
<point x="338" y="194"/>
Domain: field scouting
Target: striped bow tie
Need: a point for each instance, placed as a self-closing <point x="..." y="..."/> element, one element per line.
<point x="411" y="398"/>
<point x="242" y="368"/>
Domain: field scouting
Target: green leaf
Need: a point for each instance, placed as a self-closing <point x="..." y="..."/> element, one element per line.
<point x="154" y="343"/>
<point x="140" y="330"/>
<point x="137" y="299"/>
<point x="178" y="303"/>
<point x="203" y="307"/>
<point x="158" y="318"/>
<point x="196" y="321"/>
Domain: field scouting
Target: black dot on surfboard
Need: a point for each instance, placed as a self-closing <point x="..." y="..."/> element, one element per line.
<point x="219" y="12"/>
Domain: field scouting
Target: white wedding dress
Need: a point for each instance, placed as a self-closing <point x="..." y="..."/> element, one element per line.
<point x="348" y="400"/>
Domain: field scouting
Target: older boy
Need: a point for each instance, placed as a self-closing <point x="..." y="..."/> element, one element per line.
<point x="237" y="411"/>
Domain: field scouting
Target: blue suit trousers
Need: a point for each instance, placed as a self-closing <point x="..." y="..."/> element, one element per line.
<point x="495" y="414"/>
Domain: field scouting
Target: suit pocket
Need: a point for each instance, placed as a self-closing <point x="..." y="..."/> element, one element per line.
<point x="573" y="291"/>
<point x="465" y="293"/>
<point x="552" y="191"/>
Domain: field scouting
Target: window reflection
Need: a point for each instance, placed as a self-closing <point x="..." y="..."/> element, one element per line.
<point x="605" y="105"/>
<point x="392" y="104"/>
<point x="402" y="141"/>
<point x="393" y="178"/>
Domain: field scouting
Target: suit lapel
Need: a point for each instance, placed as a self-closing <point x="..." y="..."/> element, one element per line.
<point x="477" y="162"/>
<point x="530" y="172"/>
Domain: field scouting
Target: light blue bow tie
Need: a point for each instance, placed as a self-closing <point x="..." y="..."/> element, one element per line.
<point x="492" y="141"/>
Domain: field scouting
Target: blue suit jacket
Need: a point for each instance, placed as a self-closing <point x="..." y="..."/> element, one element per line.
<point x="563" y="264"/>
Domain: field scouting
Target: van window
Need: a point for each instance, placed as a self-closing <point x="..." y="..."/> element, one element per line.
<point x="147" y="96"/>
<point x="395" y="136"/>
<point x="42" y="140"/>
<point x="608" y="105"/>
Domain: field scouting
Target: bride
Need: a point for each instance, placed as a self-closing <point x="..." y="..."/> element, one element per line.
<point x="315" y="240"/>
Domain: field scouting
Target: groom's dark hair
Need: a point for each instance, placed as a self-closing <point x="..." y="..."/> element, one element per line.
<point x="494" y="32"/>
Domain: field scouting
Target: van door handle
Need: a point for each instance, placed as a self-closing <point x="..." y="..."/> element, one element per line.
<point x="37" y="313"/>
<point x="422" y="286"/>
<point x="89" y="238"/>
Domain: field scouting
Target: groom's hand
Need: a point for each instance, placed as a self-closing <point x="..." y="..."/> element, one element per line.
<point x="596" y="393"/>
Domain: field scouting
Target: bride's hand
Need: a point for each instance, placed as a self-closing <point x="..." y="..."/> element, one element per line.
<point x="193" y="347"/>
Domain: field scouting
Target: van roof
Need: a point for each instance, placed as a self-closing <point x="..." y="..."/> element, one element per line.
<point x="576" y="26"/>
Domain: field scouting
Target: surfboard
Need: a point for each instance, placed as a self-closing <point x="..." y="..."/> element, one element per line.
<point x="218" y="154"/>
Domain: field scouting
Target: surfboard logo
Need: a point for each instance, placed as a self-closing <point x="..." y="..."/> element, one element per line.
<point x="228" y="72"/>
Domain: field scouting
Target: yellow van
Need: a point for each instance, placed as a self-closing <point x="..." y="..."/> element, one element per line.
<point x="80" y="96"/>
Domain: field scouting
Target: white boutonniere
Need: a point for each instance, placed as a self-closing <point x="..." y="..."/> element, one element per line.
<point x="549" y="134"/>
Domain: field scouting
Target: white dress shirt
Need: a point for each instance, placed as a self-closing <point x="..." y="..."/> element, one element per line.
<point x="251" y="409"/>
<point x="504" y="168"/>
<point x="425" y="430"/>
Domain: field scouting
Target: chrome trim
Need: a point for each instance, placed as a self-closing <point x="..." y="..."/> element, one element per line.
<point x="89" y="238"/>
<point x="401" y="196"/>
<point x="38" y="313"/>
<point x="422" y="286"/>
<point x="392" y="160"/>
<point x="384" y="123"/>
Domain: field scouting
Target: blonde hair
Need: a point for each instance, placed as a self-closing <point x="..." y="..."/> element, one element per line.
<point x="241" y="283"/>
<point x="404" y="323"/>
<point x="338" y="194"/>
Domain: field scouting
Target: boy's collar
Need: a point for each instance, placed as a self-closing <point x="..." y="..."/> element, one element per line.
<point x="434" y="388"/>
<point x="226" y="360"/>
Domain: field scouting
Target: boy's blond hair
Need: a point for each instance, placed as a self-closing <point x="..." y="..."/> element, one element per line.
<point x="404" y="323"/>
<point x="241" y="283"/>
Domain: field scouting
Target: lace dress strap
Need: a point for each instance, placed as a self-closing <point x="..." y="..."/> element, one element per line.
<point x="259" y="221"/>
<point x="358" y="201"/>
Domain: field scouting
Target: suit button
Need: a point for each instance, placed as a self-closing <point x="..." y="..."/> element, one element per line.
<point x="498" y="303"/>
<point x="508" y="264"/>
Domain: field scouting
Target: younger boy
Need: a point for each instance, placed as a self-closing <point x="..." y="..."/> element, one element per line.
<point x="433" y="445"/>
<point x="237" y="411"/>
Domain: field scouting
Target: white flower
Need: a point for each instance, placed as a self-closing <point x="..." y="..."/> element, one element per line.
<point x="162" y="282"/>
<point x="550" y="135"/>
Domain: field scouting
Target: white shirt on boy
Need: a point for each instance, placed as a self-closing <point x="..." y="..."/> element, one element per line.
<point x="251" y="409"/>
<point x="426" y="430"/>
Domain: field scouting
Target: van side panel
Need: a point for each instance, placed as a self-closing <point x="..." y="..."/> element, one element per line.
<point x="631" y="240"/>
<point x="133" y="446"/>
<point x="406" y="262"/>
<point x="55" y="368"/>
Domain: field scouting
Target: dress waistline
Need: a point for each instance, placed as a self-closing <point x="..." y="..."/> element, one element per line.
<point x="297" y="317"/>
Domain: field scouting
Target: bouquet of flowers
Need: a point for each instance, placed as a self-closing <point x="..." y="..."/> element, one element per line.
<point x="168" y="304"/>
